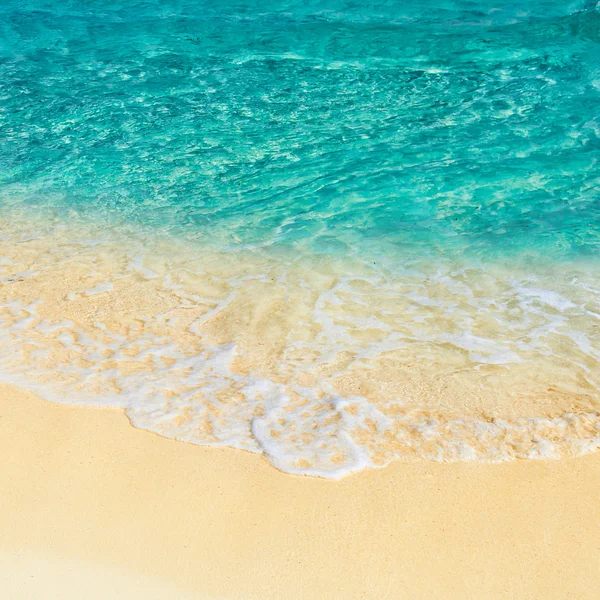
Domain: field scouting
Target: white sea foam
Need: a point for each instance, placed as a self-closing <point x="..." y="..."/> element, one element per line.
<point x="325" y="368"/>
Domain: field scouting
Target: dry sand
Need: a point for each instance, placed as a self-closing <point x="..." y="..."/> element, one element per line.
<point x="92" y="508"/>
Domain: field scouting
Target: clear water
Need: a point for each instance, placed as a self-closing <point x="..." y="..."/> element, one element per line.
<point x="381" y="221"/>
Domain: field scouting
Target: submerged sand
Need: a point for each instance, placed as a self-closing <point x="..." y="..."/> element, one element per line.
<point x="326" y="367"/>
<point x="91" y="507"/>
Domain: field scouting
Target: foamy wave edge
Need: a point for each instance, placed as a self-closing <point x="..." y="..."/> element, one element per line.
<point x="198" y="393"/>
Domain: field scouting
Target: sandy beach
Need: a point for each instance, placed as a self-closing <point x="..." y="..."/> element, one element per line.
<point x="299" y="300"/>
<point x="91" y="507"/>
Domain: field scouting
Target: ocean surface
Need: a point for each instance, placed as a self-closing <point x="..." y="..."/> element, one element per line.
<point x="336" y="233"/>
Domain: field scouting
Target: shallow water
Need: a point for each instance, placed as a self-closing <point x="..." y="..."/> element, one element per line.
<point x="334" y="234"/>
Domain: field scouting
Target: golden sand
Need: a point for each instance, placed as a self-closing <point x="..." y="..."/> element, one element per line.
<point x="86" y="497"/>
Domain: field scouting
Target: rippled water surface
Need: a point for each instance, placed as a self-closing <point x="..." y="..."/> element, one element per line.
<point x="336" y="233"/>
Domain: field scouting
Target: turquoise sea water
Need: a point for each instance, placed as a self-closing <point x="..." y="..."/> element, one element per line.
<point x="451" y="147"/>
<point x="460" y="126"/>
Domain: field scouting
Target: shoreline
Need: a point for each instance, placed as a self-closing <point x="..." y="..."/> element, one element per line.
<point x="324" y="370"/>
<point x="81" y="486"/>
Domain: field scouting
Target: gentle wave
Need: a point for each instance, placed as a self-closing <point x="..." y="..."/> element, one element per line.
<point x="335" y="233"/>
<point x="325" y="367"/>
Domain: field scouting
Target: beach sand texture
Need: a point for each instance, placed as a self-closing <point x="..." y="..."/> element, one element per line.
<point x="299" y="300"/>
<point x="91" y="507"/>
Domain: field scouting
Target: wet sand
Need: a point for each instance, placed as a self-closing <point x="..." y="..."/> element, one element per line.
<point x="88" y="502"/>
